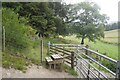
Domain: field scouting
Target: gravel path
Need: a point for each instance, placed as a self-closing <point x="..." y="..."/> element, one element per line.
<point x="35" y="72"/>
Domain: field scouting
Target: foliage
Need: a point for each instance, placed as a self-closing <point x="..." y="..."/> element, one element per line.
<point x="60" y="31"/>
<point x="11" y="61"/>
<point x="87" y="21"/>
<point x="45" y="17"/>
<point x="113" y="26"/>
<point x="16" y="35"/>
<point x="69" y="70"/>
<point x="50" y="19"/>
<point x="109" y="65"/>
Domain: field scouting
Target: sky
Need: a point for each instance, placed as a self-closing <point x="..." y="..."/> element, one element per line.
<point x="109" y="7"/>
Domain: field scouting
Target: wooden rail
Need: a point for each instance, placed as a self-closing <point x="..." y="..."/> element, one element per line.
<point x="69" y="56"/>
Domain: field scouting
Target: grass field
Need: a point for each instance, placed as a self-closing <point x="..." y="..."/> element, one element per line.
<point x="110" y="50"/>
<point x="112" y="36"/>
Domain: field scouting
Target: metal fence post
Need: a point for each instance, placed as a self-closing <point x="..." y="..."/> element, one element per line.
<point x="88" y="72"/>
<point x="118" y="70"/>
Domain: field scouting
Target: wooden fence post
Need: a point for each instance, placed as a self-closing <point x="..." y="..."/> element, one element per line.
<point x="48" y="52"/>
<point x="72" y="60"/>
<point x="97" y="57"/>
<point x="86" y="52"/>
<point x="3" y="40"/>
<point x="63" y="54"/>
<point x="41" y="48"/>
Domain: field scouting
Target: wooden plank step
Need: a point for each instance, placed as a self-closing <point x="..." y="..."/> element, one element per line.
<point x="48" y="59"/>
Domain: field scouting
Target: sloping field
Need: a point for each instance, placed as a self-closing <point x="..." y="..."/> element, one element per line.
<point x="112" y="36"/>
<point x="110" y="50"/>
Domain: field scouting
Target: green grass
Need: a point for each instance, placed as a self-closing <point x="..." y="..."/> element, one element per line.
<point x="112" y="36"/>
<point x="31" y="56"/>
<point x="20" y="60"/>
<point x="34" y="55"/>
<point x="70" y="70"/>
<point x="104" y="48"/>
<point x="110" y="50"/>
<point x="72" y="39"/>
<point x="112" y="33"/>
<point x="12" y="61"/>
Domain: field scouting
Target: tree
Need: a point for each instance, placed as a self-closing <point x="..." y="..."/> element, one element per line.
<point x="40" y="16"/>
<point x="112" y="26"/>
<point x="87" y="20"/>
<point x="45" y="17"/>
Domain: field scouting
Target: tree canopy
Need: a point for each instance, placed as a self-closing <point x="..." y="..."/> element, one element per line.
<point x="57" y="18"/>
<point x="45" y="17"/>
<point x="87" y="21"/>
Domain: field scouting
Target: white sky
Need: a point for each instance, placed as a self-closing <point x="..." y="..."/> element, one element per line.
<point x="109" y="7"/>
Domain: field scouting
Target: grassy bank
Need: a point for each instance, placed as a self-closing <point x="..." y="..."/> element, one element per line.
<point x="110" y="50"/>
<point x="21" y="60"/>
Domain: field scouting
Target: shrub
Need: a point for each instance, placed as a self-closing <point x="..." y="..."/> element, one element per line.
<point x="109" y="65"/>
<point x="16" y="33"/>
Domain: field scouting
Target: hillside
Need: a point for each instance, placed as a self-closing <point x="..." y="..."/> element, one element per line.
<point x="112" y="33"/>
<point x="103" y="47"/>
<point x="112" y="36"/>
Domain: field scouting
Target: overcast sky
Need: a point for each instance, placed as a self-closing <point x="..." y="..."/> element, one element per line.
<point x="109" y="7"/>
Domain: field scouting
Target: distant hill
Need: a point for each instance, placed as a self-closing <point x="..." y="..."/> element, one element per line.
<point x="112" y="36"/>
<point x="112" y="33"/>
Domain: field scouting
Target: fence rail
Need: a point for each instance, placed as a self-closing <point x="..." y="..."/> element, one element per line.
<point x="68" y="55"/>
<point x="89" y="63"/>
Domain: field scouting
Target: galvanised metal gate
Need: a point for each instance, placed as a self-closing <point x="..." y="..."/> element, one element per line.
<point x="91" y="64"/>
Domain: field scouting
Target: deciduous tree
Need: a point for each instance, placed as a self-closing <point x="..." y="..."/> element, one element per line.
<point x="87" y="20"/>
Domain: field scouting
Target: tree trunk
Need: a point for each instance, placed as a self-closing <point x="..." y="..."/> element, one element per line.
<point x="82" y="42"/>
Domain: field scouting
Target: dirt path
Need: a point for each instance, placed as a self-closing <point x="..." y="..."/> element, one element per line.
<point x="34" y="72"/>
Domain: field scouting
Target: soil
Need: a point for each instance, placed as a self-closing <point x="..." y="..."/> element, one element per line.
<point x="35" y="72"/>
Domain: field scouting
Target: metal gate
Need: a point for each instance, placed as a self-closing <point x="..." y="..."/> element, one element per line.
<point x="89" y="64"/>
<point x="93" y="65"/>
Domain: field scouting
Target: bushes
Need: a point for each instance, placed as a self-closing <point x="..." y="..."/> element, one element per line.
<point x="19" y="38"/>
<point x="109" y="65"/>
<point x="16" y="33"/>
